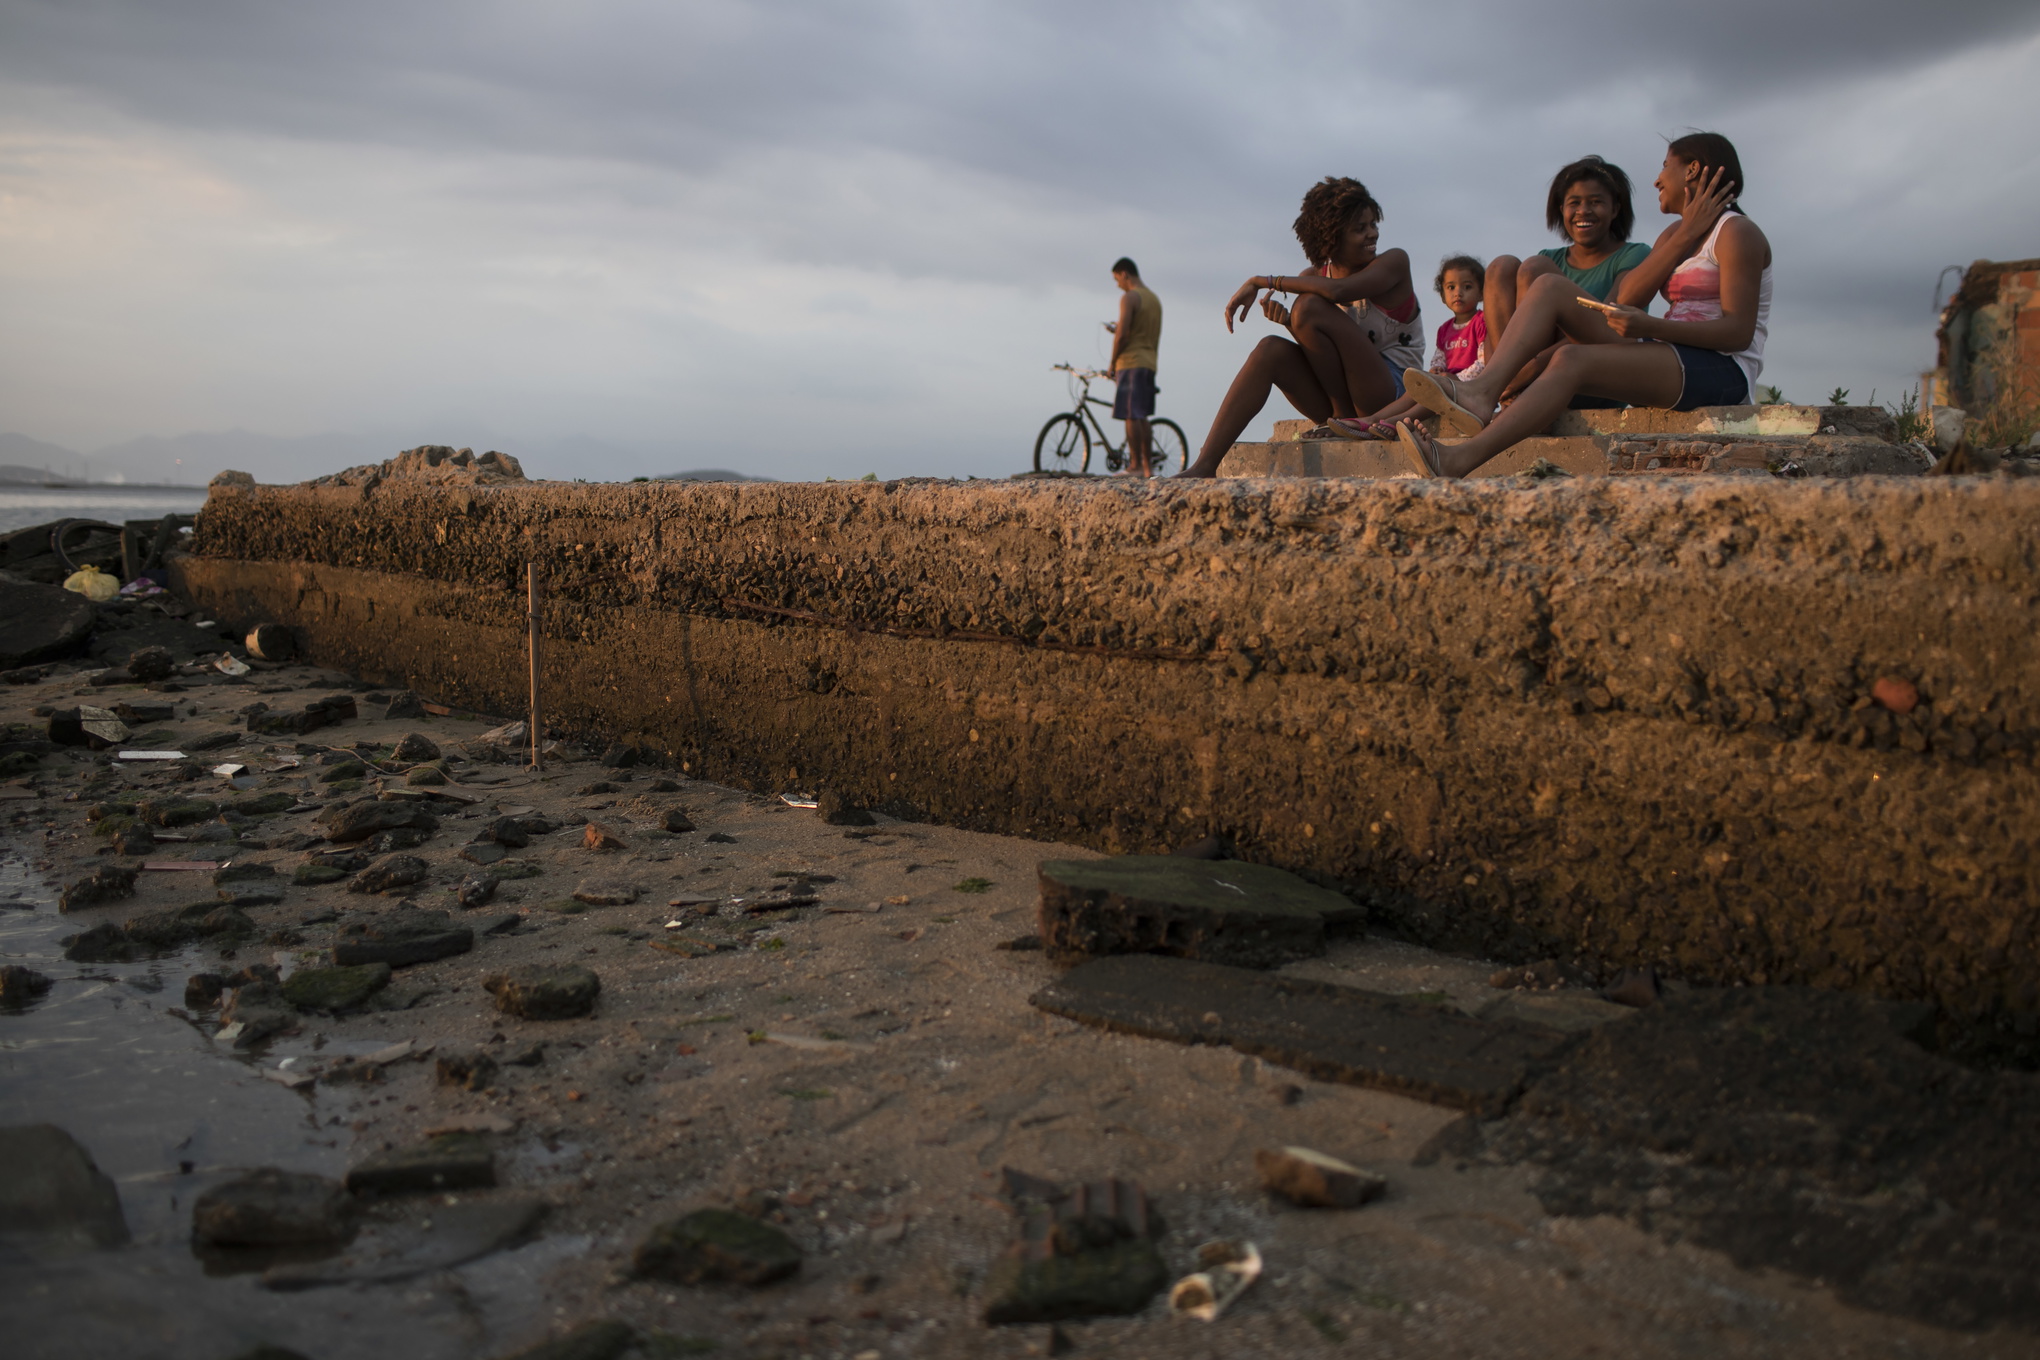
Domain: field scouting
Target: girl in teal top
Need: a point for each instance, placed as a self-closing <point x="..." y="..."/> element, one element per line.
<point x="1597" y="281"/>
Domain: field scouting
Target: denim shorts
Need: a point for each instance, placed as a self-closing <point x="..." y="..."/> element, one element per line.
<point x="1135" y="399"/>
<point x="1712" y="379"/>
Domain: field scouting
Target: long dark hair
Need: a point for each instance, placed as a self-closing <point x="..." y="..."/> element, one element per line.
<point x="1711" y="150"/>
<point x="1592" y="170"/>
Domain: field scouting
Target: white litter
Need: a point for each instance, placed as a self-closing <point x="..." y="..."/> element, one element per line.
<point x="229" y="664"/>
<point x="799" y="800"/>
<point x="152" y="755"/>
<point x="1229" y="1268"/>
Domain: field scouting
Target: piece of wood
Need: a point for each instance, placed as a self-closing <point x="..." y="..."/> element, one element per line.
<point x="1333" y="1033"/>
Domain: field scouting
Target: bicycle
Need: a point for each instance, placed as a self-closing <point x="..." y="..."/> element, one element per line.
<point x="1066" y="439"/>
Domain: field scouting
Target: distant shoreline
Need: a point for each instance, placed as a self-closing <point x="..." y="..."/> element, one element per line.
<point x="97" y="486"/>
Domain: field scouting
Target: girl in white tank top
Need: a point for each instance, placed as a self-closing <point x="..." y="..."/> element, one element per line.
<point x="1694" y="292"/>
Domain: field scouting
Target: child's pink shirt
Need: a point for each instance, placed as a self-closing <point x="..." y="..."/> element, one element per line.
<point x="1459" y="344"/>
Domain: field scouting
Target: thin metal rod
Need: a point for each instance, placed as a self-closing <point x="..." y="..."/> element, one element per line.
<point x="533" y="587"/>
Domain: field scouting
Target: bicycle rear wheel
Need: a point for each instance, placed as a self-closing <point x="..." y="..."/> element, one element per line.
<point x="1063" y="445"/>
<point x="1167" y="445"/>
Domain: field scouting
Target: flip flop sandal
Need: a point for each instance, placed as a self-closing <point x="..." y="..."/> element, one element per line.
<point x="1341" y="427"/>
<point x="1441" y="395"/>
<point x="1406" y="437"/>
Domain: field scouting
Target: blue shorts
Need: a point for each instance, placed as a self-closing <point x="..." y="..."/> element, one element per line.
<point x="1712" y="379"/>
<point x="1135" y="399"/>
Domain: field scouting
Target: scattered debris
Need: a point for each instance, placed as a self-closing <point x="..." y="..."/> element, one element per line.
<point x="1312" y="1180"/>
<point x="1229" y="1267"/>
<point x="1085" y="1251"/>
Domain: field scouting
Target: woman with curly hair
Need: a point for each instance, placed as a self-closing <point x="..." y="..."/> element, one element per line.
<point x="1713" y="266"/>
<point x="1355" y="325"/>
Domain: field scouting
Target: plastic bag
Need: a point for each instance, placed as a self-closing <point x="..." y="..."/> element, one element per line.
<point x="94" y="584"/>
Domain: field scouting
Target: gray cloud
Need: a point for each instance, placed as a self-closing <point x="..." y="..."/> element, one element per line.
<point x="668" y="226"/>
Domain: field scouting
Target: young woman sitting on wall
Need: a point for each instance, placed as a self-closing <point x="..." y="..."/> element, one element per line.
<point x="1355" y="325"/>
<point x="1713" y="265"/>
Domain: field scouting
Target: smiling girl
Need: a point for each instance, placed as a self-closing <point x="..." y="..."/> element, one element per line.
<point x="1713" y="265"/>
<point x="1355" y="325"/>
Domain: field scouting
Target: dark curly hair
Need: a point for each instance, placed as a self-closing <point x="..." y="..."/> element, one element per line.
<point x="1592" y="170"/>
<point x="1329" y="207"/>
<point x="1461" y="262"/>
<point x="1709" y="151"/>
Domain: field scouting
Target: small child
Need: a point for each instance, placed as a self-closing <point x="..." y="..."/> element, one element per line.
<point x="1462" y="341"/>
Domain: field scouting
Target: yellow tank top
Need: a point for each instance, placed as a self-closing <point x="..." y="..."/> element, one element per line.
<point x="1144" y="334"/>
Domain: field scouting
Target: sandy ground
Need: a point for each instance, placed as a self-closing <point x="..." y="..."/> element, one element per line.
<point x="881" y="1151"/>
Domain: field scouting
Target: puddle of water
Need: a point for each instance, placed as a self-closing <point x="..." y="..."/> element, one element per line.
<point x="166" y="1114"/>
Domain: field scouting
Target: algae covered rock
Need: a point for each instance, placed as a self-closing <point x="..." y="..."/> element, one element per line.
<point x="105" y="884"/>
<point x="176" y="811"/>
<point x="536" y="991"/>
<point x="390" y="873"/>
<point x="717" y="1245"/>
<point x="315" y="873"/>
<point x="334" y="990"/>
<point x="451" y="1161"/>
<point x="262" y="804"/>
<point x="401" y="937"/>
<point x="273" y="1208"/>
<point x="359" y="821"/>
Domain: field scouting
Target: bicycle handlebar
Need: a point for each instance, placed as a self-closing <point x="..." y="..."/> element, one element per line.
<point x="1081" y="372"/>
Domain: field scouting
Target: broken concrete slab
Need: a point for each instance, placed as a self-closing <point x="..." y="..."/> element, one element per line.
<point x="401" y="937"/>
<point x="1333" y="1033"/>
<point x="452" y="1161"/>
<point x="1571" y="1011"/>
<point x="390" y="873"/>
<point x="350" y="822"/>
<point x="1221" y="911"/>
<point x="41" y="623"/>
<point x="53" y="1192"/>
<point x="716" y="1245"/>
<point x="1085" y="1250"/>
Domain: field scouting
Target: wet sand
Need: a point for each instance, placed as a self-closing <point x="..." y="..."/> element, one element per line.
<point x="917" y="1071"/>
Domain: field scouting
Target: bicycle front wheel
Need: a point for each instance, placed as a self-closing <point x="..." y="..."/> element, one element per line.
<point x="1167" y="445"/>
<point x="1063" y="445"/>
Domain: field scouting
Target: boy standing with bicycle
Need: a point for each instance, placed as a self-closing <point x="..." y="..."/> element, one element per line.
<point x="1136" y="340"/>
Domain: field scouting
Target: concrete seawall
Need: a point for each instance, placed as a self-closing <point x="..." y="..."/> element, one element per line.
<point x="1626" y="720"/>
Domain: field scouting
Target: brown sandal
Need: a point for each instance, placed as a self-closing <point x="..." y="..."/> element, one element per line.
<point x="1440" y="393"/>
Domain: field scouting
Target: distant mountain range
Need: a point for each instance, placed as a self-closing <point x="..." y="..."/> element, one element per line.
<point x="193" y="459"/>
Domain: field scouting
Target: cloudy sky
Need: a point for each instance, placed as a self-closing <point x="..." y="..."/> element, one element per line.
<point x="805" y="239"/>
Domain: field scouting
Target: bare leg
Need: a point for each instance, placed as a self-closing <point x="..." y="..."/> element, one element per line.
<point x="1275" y="363"/>
<point x="1498" y="294"/>
<point x="1643" y="375"/>
<point x="1137" y="448"/>
<point x="1547" y="308"/>
<point x="1346" y="364"/>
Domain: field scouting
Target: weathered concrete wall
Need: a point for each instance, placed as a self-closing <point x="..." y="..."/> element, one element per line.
<point x="1624" y="719"/>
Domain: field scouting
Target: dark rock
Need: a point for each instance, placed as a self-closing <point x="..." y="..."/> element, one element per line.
<point x="606" y="894"/>
<point x="400" y="937"/>
<point x="176" y="811"/>
<point x="450" y="1235"/>
<point x="405" y="705"/>
<point x="425" y="776"/>
<point x="621" y="757"/>
<point x="213" y="741"/>
<point x="271" y="642"/>
<point x="40" y="623"/>
<point x="104" y="943"/>
<point x="662" y="786"/>
<point x="243" y="896"/>
<point x="1210" y="847"/>
<point x="347" y="769"/>
<point x="397" y="838"/>
<point x="313" y="874"/>
<point x="716" y="1245"/>
<point x="721" y="838"/>
<point x="134" y="839"/>
<point x="52" y="1189"/>
<point x="1085" y="1251"/>
<point x="19" y="985"/>
<point x="599" y="786"/>
<point x="335" y="990"/>
<point x="334" y="708"/>
<point x="837" y="810"/>
<point x="544" y="991"/>
<point x="475" y="891"/>
<point x="262" y="804"/>
<point x="467" y="1071"/>
<point x="602" y="1340"/>
<point x="1331" y="1032"/>
<point x="415" y="748"/>
<point x="599" y="837"/>
<point x="531" y="1055"/>
<point x="244" y="871"/>
<point x="509" y="831"/>
<point x="139" y="714"/>
<point x="150" y="664"/>
<point x="93" y="728"/>
<point x="676" y="822"/>
<point x="1313" y="1180"/>
<point x="510" y="869"/>
<point x="109" y="883"/>
<point x="359" y="821"/>
<point x="390" y="873"/>
<point x="254" y="973"/>
<point x="483" y="853"/>
<point x="1247" y="915"/>
<point x="1637" y="987"/>
<point x="506" y="924"/>
<point x="202" y="990"/>
<point x="452" y="1161"/>
<point x="260" y="1011"/>
<point x="273" y="1208"/>
<point x="1022" y="944"/>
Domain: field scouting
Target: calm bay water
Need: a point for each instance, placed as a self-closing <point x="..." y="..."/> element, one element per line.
<point x="22" y="506"/>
